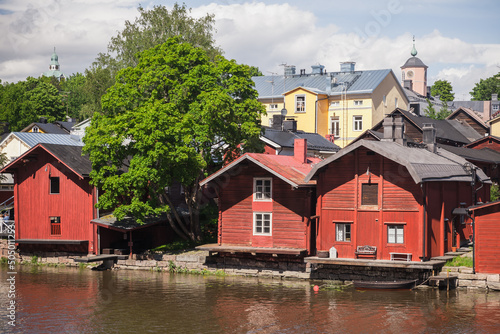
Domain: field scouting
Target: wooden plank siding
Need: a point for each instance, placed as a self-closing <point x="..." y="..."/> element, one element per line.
<point x="35" y="205"/>
<point x="487" y="251"/>
<point x="463" y="117"/>
<point x="290" y="210"/>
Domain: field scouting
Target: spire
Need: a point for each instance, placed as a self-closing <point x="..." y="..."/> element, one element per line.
<point x="414" y="50"/>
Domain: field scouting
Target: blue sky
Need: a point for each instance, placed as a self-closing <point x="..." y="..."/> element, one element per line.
<point x="457" y="39"/>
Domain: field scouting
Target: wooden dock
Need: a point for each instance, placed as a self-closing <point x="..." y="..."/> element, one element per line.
<point x="108" y="260"/>
<point x="443" y="282"/>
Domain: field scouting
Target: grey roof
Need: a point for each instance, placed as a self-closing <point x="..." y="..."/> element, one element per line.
<point x="423" y="165"/>
<point x="474" y="105"/>
<point x="32" y="139"/>
<point x="484" y="155"/>
<point x="286" y="139"/>
<point x="72" y="157"/>
<point x="46" y="127"/>
<point x="329" y="83"/>
<point x="67" y="126"/>
<point x="414" y="62"/>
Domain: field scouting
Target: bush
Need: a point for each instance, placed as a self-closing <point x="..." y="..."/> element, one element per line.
<point x="460" y="261"/>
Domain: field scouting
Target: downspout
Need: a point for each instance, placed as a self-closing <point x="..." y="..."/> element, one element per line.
<point x="424" y="220"/>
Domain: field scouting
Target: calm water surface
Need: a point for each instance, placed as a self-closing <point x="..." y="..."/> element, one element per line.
<point x="70" y="300"/>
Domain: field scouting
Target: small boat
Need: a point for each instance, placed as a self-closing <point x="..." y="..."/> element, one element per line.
<point x="408" y="284"/>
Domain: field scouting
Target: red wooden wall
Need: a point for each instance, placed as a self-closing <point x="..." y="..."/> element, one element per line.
<point x="35" y="205"/>
<point x="486" y="249"/>
<point x="290" y="209"/>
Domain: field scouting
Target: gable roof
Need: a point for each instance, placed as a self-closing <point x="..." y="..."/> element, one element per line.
<point x="33" y="138"/>
<point x="287" y="138"/>
<point x="287" y="168"/>
<point x="471" y="114"/>
<point x="70" y="156"/>
<point x="483" y="155"/>
<point x="483" y="139"/>
<point x="423" y="165"/>
<point x="45" y="127"/>
<point x="66" y="126"/>
<point x="332" y="83"/>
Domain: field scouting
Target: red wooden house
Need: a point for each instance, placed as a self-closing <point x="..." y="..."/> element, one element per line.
<point x="489" y="142"/>
<point x="264" y="204"/>
<point x="53" y="200"/>
<point x="395" y="198"/>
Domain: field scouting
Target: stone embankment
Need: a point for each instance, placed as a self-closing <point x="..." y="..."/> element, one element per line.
<point x="466" y="279"/>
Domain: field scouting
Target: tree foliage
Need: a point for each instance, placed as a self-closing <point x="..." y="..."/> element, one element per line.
<point x="431" y="112"/>
<point x="444" y="90"/>
<point x="485" y="87"/>
<point x="170" y="118"/>
<point x="27" y="101"/>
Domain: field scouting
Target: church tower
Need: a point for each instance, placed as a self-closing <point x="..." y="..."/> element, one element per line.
<point x="414" y="73"/>
<point x="54" y="67"/>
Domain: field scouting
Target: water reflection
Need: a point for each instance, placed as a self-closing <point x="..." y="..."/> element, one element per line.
<point x="69" y="300"/>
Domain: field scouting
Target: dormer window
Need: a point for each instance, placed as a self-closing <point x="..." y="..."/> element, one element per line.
<point x="35" y="129"/>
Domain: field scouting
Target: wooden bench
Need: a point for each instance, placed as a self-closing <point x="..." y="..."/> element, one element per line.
<point x="400" y="257"/>
<point x="366" y="251"/>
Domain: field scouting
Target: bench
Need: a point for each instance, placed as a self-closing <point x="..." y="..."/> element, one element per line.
<point x="400" y="257"/>
<point x="368" y="251"/>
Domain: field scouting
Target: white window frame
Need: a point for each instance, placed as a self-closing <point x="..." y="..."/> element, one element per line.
<point x="495" y="107"/>
<point x="343" y="230"/>
<point x="300" y="106"/>
<point x="396" y="234"/>
<point x="335" y="127"/>
<point x="273" y="107"/>
<point x="357" y="123"/>
<point x="259" y="223"/>
<point x="335" y="104"/>
<point x="35" y="129"/>
<point x="259" y="194"/>
<point x="358" y="102"/>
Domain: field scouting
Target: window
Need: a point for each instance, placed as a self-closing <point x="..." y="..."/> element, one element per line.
<point x="300" y="103"/>
<point x="262" y="189"/>
<point x="395" y="102"/>
<point x="35" y="129"/>
<point x="273" y="107"/>
<point x="335" y="104"/>
<point x="369" y="194"/>
<point x="55" y="225"/>
<point x="262" y="223"/>
<point x="357" y="123"/>
<point x="335" y="130"/>
<point x="343" y="232"/>
<point x="358" y="102"/>
<point x="395" y="234"/>
<point x="54" y="185"/>
<point x="495" y="106"/>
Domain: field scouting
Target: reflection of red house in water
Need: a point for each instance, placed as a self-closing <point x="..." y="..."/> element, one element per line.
<point x="399" y="199"/>
<point x="264" y="203"/>
<point x="53" y="200"/>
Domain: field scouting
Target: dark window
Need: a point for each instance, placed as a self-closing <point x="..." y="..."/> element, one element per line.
<point x="55" y="225"/>
<point x="369" y="194"/>
<point x="54" y="185"/>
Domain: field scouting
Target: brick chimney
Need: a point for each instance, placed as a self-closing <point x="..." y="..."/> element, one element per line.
<point x="300" y="150"/>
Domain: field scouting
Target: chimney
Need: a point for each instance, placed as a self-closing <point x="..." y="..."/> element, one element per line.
<point x="300" y="150"/>
<point x="290" y="125"/>
<point x="278" y="122"/>
<point x="388" y="126"/>
<point x="399" y="129"/>
<point x="317" y="69"/>
<point x="494" y="97"/>
<point x="43" y="120"/>
<point x="347" y="66"/>
<point x="429" y="136"/>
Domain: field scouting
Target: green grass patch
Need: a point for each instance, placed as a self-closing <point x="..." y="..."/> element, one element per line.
<point x="460" y="261"/>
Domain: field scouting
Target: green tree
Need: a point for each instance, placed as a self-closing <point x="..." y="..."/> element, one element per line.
<point x="443" y="89"/>
<point x="74" y="96"/>
<point x="150" y="28"/>
<point x="430" y="111"/>
<point x="171" y="118"/>
<point x="485" y="87"/>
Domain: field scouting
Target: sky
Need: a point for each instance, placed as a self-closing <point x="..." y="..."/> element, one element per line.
<point x="458" y="39"/>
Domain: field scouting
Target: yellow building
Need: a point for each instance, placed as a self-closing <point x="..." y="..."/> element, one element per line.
<point x="338" y="105"/>
<point x="495" y="126"/>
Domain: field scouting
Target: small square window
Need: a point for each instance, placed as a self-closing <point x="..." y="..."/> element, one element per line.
<point x="262" y="223"/>
<point x="357" y="123"/>
<point x="358" y="102"/>
<point x="54" y="185"/>
<point x="335" y="104"/>
<point x="343" y="232"/>
<point x="262" y="189"/>
<point x="395" y="234"/>
<point x="55" y="225"/>
<point x="369" y="194"/>
<point x="273" y="107"/>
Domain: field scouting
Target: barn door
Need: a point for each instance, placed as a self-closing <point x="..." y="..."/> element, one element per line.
<point x="367" y="229"/>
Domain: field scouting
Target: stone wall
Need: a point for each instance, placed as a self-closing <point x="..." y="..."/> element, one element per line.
<point x="466" y="279"/>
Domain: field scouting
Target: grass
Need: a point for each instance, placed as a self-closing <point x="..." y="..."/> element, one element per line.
<point x="460" y="261"/>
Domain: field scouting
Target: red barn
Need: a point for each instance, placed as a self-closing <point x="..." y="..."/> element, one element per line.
<point x="486" y="219"/>
<point x="489" y="142"/>
<point x="395" y="198"/>
<point x="264" y="203"/>
<point x="53" y="200"/>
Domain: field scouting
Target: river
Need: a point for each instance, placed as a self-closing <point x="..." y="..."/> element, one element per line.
<point x="73" y="300"/>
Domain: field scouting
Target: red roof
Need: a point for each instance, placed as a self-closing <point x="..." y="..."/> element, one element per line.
<point x="287" y="168"/>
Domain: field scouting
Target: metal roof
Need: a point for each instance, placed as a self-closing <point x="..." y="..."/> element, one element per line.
<point x="414" y="62"/>
<point x="287" y="138"/>
<point x="423" y="165"/>
<point x="331" y="83"/>
<point x="32" y="139"/>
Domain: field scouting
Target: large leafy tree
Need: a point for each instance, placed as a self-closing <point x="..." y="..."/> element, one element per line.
<point x="150" y="28"/>
<point x="485" y="87"/>
<point x="443" y="89"/>
<point x="74" y="96"/>
<point x="170" y="118"/>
